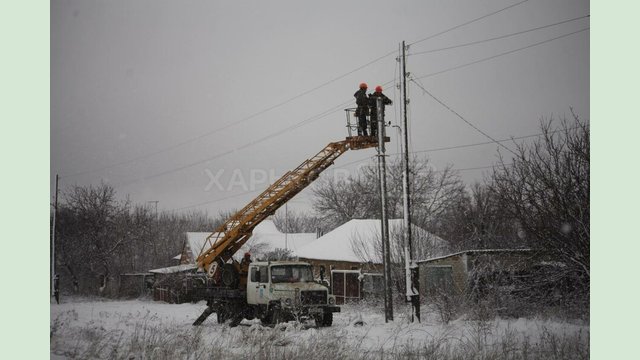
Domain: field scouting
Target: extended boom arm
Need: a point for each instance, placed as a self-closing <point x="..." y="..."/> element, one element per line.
<point x="221" y="245"/>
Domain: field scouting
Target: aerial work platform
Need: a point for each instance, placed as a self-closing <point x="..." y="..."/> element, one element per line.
<point x="227" y="239"/>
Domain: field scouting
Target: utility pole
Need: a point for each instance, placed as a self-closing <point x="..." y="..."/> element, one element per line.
<point x="156" y="207"/>
<point x="411" y="270"/>
<point x="386" y="251"/>
<point x="54" y="281"/>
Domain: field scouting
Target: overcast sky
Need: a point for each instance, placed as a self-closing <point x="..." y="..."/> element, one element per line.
<point x="158" y="98"/>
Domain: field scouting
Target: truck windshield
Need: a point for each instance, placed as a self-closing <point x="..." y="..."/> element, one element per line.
<point x="291" y="274"/>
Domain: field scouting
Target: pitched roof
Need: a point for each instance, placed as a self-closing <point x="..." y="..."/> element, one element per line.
<point x="358" y="240"/>
<point x="173" y="269"/>
<point x="266" y="237"/>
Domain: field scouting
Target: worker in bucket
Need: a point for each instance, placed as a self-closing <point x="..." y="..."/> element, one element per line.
<point x="374" y="109"/>
<point x="362" y="110"/>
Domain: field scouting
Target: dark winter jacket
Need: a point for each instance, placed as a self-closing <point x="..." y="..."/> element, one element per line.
<point x="361" y="102"/>
<point x="373" y="100"/>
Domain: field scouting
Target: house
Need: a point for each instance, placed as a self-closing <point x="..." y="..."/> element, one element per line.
<point x="351" y="256"/>
<point x="356" y="245"/>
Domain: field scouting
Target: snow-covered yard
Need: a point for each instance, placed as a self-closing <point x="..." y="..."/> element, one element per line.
<point x="143" y="329"/>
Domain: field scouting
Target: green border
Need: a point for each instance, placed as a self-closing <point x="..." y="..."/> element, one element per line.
<point x="24" y="94"/>
<point x="615" y="126"/>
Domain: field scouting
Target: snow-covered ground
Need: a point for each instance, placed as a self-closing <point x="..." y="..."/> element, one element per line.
<point x="143" y="329"/>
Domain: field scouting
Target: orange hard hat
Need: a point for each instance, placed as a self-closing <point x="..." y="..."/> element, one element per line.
<point x="363" y="85"/>
<point x="378" y="88"/>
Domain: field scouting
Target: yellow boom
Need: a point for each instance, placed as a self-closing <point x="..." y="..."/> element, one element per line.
<point x="222" y="244"/>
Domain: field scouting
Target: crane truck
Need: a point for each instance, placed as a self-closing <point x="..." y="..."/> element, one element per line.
<point x="272" y="291"/>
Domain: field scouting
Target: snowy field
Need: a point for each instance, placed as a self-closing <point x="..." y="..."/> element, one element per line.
<point x="143" y="329"/>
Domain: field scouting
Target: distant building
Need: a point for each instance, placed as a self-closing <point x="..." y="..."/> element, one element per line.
<point x="454" y="272"/>
<point x="172" y="284"/>
<point x="350" y="256"/>
<point x="266" y="238"/>
<point x="357" y="244"/>
<point x="497" y="275"/>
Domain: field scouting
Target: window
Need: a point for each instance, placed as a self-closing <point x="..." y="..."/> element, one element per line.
<point x="291" y="274"/>
<point x="259" y="274"/>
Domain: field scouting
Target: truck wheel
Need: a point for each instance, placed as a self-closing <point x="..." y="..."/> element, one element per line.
<point x="230" y="276"/>
<point x="327" y="319"/>
<point x="235" y="321"/>
<point x="222" y="316"/>
<point x="273" y="317"/>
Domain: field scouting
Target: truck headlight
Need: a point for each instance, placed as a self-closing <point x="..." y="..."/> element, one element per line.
<point x="332" y="300"/>
<point x="288" y="301"/>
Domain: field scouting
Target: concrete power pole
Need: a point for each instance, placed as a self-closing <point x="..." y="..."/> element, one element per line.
<point x="386" y="250"/>
<point x="411" y="270"/>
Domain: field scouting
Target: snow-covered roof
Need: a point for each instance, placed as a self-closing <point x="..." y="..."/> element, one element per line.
<point x="356" y="241"/>
<point x="266" y="237"/>
<point x="478" y="251"/>
<point x="173" y="269"/>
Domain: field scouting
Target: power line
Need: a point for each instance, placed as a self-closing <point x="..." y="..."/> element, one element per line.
<point x="498" y="55"/>
<point x="469" y="22"/>
<point x="215" y="200"/>
<point x="462" y="118"/>
<point x="190" y="140"/>
<point x="255" y="191"/>
<point x="498" y="37"/>
<point x="325" y="114"/>
<point x="249" y="144"/>
<point x="452" y="147"/>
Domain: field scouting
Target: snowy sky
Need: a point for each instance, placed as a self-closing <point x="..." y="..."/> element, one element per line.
<point x="158" y="98"/>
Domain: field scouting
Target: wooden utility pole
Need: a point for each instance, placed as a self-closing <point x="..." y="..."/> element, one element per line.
<point x="411" y="270"/>
<point x="386" y="250"/>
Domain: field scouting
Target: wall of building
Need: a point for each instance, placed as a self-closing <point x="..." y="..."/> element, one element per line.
<point x="458" y="266"/>
<point x="470" y="264"/>
<point x="340" y="265"/>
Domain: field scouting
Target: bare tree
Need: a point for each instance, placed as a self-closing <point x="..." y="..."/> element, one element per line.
<point x="92" y="235"/>
<point x="278" y="254"/>
<point x="546" y="190"/>
<point x="433" y="191"/>
<point x="478" y="221"/>
<point x="296" y="222"/>
<point x="100" y="237"/>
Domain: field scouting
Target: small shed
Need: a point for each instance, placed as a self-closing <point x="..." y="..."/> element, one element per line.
<point x="170" y="283"/>
<point x="510" y="279"/>
<point x="132" y="285"/>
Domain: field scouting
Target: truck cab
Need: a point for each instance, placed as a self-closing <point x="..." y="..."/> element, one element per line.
<point x="283" y="290"/>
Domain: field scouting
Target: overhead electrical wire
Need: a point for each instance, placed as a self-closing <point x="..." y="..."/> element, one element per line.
<point x="453" y="147"/>
<point x="230" y="151"/>
<point x="224" y="127"/>
<point x="496" y="38"/>
<point x="462" y="117"/>
<point x="498" y="55"/>
<point x="256" y="191"/>
<point x="313" y="118"/>
<point x="468" y="22"/>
